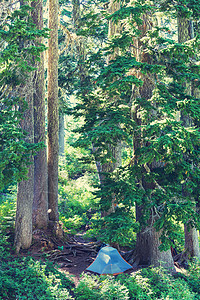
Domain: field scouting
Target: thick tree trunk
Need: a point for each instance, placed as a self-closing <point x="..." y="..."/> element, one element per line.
<point x="147" y="246"/>
<point x="191" y="241"/>
<point x="23" y="223"/>
<point x="148" y="242"/>
<point x="61" y="133"/>
<point x="40" y="201"/>
<point x="53" y="146"/>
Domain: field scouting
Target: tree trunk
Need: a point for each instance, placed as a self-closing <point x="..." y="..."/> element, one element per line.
<point x="53" y="147"/>
<point x="116" y="150"/>
<point x="191" y="235"/>
<point x="148" y="242"/>
<point x="191" y="241"/>
<point x="23" y="223"/>
<point x="61" y="133"/>
<point x="40" y="200"/>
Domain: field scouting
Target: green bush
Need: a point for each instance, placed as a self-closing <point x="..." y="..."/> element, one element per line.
<point x="193" y="277"/>
<point x="7" y="212"/>
<point x="146" y="284"/>
<point x="76" y="201"/>
<point x="74" y="224"/>
<point x="100" y="287"/>
<point x="30" y="279"/>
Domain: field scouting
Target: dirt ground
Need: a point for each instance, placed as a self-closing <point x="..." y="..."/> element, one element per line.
<point x="72" y="254"/>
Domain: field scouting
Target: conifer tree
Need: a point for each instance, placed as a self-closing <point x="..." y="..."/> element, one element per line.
<point x="185" y="33"/>
<point x="53" y="116"/>
<point x="23" y="222"/>
<point x="40" y="202"/>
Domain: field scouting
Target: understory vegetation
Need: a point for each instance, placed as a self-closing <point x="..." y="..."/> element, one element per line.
<point x="26" y="278"/>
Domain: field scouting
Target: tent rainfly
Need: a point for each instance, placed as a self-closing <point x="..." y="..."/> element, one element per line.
<point x="109" y="261"/>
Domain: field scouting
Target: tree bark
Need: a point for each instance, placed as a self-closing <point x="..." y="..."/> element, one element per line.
<point x="53" y="147"/>
<point x="191" y="241"/>
<point x="40" y="201"/>
<point x="61" y="133"/>
<point x="23" y="223"/>
<point x="148" y="242"/>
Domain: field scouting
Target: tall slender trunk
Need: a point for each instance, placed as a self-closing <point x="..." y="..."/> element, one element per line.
<point x="191" y="235"/>
<point x="115" y="150"/>
<point x="40" y="201"/>
<point x="23" y="223"/>
<point x="53" y="147"/>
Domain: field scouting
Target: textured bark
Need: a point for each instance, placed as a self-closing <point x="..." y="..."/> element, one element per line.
<point x="40" y="201"/>
<point x="148" y="242"/>
<point x="191" y="241"/>
<point x="191" y="235"/>
<point x="147" y="246"/>
<point x="53" y="146"/>
<point x="23" y="223"/>
<point x="61" y="133"/>
<point x="183" y="29"/>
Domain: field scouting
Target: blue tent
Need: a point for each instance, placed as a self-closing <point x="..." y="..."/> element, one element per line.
<point x="109" y="261"/>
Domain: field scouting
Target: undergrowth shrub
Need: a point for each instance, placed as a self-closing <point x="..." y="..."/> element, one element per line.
<point x="193" y="277"/>
<point x="22" y="277"/>
<point x="100" y="287"/>
<point x="7" y="212"/>
<point x="146" y="284"/>
<point x="76" y="202"/>
<point x="29" y="279"/>
<point x="165" y="286"/>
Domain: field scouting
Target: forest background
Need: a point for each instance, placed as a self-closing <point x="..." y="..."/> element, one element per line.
<point x="117" y="103"/>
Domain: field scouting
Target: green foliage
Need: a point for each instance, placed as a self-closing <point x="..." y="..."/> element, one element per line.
<point x="76" y="201"/>
<point x="76" y="162"/>
<point x="23" y="277"/>
<point x="193" y="277"/>
<point x="118" y="228"/>
<point x="7" y="212"/>
<point x="104" y="287"/>
<point x="17" y="56"/>
<point x="117" y="104"/>
<point x="146" y="284"/>
<point x="29" y="279"/>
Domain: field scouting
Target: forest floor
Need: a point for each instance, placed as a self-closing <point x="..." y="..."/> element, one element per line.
<point x="72" y="255"/>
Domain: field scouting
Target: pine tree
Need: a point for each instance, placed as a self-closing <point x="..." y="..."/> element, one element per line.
<point x="53" y="116"/>
<point x="23" y="222"/>
<point x="40" y="201"/>
<point x="185" y="33"/>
